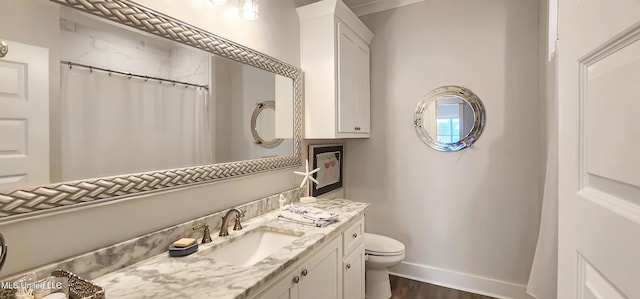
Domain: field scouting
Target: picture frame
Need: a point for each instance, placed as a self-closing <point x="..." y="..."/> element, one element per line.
<point x="329" y="159"/>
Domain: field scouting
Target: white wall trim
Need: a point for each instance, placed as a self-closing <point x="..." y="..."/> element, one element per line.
<point x="461" y="281"/>
<point x="375" y="6"/>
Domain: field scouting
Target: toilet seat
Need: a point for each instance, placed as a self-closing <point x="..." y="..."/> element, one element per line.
<point x="378" y="245"/>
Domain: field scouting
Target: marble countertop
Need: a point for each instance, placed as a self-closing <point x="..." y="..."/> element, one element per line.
<point x="201" y="276"/>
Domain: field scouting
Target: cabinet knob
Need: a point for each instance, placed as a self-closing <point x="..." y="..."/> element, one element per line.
<point x="357" y="128"/>
<point x="355" y="235"/>
<point x="348" y="266"/>
<point x="4" y="49"/>
<point x="304" y="272"/>
<point x="296" y="279"/>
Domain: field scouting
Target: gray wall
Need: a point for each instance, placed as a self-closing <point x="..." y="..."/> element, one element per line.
<point x="469" y="219"/>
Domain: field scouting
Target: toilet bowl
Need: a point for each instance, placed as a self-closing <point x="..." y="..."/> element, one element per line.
<point x="381" y="254"/>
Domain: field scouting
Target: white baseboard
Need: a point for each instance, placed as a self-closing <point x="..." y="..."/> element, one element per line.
<point x="461" y="281"/>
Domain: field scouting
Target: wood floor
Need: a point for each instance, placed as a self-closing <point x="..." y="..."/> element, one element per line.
<point x="403" y="288"/>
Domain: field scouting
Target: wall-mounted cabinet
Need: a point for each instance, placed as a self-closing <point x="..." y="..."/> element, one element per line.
<point x="335" y="61"/>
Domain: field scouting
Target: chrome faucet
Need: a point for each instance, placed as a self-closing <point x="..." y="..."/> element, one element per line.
<point x="224" y="230"/>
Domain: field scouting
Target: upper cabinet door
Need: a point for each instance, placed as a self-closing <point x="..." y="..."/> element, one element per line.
<point x="335" y="60"/>
<point x="353" y="82"/>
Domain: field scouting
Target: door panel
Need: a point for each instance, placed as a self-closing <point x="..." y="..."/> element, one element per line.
<point x="612" y="86"/>
<point x="599" y="175"/>
<point x="24" y="116"/>
<point x="321" y="275"/>
<point x="347" y="62"/>
<point x="354" y="269"/>
<point x="593" y="285"/>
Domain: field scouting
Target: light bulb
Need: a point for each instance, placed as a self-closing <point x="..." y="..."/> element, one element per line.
<point x="249" y="10"/>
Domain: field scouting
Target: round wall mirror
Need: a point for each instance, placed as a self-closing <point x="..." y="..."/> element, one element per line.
<point x="263" y="125"/>
<point x="449" y="118"/>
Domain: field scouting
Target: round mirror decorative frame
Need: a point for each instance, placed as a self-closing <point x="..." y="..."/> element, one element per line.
<point x="479" y="117"/>
<point x="254" y="121"/>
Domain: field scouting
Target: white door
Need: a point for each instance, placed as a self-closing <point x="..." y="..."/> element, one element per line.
<point x="599" y="146"/>
<point x="24" y="116"/>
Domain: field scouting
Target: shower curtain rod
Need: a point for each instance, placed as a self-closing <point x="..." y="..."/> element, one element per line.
<point x="130" y="75"/>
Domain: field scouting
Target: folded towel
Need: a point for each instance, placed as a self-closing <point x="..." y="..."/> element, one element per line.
<point x="296" y="218"/>
<point x="312" y="213"/>
<point x="307" y="215"/>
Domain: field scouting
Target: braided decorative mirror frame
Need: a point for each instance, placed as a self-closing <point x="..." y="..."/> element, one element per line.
<point x="17" y="204"/>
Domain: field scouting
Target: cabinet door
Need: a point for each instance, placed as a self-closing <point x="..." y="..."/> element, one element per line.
<point x="353" y="267"/>
<point x="362" y="91"/>
<point x="286" y="288"/>
<point x="321" y="275"/>
<point x="353" y="82"/>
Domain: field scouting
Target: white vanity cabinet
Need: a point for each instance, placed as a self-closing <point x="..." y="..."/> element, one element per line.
<point x="319" y="276"/>
<point x="335" y="271"/>
<point x="335" y="61"/>
<point x="353" y="262"/>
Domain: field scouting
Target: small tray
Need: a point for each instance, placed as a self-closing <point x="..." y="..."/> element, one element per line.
<point x="79" y="288"/>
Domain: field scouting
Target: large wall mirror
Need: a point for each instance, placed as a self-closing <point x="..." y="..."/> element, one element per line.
<point x="147" y="103"/>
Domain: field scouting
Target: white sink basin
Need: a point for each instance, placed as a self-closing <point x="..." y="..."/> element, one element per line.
<point x="252" y="247"/>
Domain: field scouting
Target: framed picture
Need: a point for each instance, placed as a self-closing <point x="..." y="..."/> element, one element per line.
<point x="329" y="159"/>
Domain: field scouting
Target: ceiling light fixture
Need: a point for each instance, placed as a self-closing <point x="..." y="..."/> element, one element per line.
<point x="249" y="9"/>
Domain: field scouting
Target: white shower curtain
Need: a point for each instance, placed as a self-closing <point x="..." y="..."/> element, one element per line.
<point x="117" y="125"/>
<point x="544" y="273"/>
<point x="544" y="270"/>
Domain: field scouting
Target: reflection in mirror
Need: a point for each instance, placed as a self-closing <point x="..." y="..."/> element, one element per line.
<point x="449" y="118"/>
<point x="164" y="125"/>
<point x="146" y="102"/>
<point x="263" y="126"/>
<point x="132" y="102"/>
<point x="266" y="124"/>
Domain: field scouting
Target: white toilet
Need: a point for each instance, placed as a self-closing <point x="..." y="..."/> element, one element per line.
<point x="382" y="253"/>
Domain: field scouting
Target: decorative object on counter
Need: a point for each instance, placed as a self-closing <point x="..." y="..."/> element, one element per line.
<point x="52" y="287"/>
<point x="60" y="284"/>
<point x="449" y="118"/>
<point x="22" y="287"/>
<point x="308" y="176"/>
<point x="327" y="158"/>
<point x="307" y="215"/>
<point x="80" y="288"/>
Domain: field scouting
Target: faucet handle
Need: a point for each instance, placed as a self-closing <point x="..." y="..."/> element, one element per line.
<point x="236" y="224"/>
<point x="206" y="236"/>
